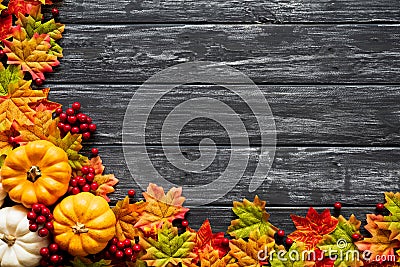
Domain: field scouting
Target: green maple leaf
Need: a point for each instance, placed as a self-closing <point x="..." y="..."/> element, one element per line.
<point x="84" y="262"/>
<point x="291" y="258"/>
<point x="340" y="241"/>
<point x="392" y="222"/>
<point x="72" y="144"/>
<point x="10" y="75"/>
<point x="169" y="248"/>
<point x="252" y="216"/>
<point x="33" y="24"/>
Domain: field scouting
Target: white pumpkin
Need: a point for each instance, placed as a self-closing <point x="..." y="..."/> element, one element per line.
<point x="18" y="245"/>
<point x="3" y="195"/>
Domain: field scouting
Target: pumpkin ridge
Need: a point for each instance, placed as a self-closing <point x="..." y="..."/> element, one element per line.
<point x="35" y="151"/>
<point x="53" y="156"/>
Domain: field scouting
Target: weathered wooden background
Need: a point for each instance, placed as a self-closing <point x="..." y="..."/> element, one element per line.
<point x="329" y="70"/>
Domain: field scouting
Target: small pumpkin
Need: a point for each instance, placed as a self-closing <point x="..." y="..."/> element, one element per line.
<point x="3" y="194"/>
<point x="36" y="173"/>
<point x="83" y="224"/>
<point x="18" y="245"/>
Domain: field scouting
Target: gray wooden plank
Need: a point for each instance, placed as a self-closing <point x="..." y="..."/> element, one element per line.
<point x="356" y="176"/>
<point x="266" y="53"/>
<point x="135" y="11"/>
<point x="304" y="115"/>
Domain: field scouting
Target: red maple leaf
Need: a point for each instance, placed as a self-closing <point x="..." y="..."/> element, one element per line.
<point x="21" y="6"/>
<point x="311" y="228"/>
<point x="5" y="27"/>
<point x="205" y="237"/>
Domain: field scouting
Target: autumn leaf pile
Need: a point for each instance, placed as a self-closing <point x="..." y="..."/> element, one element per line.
<point x="26" y="115"/>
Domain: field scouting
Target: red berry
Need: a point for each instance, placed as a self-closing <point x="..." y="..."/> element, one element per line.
<point x="73" y="182"/>
<point x="41" y="219"/>
<point x="95" y="152"/>
<point x="31" y="215"/>
<point x="281" y="233"/>
<point x="50" y="217"/>
<point x="44" y="252"/>
<point x="84" y="127"/>
<point x="92" y="127"/>
<point x="37" y="208"/>
<point x="70" y="112"/>
<point x="43" y="232"/>
<point x="33" y="227"/>
<point x="75" y="190"/>
<point x="60" y="259"/>
<point x="11" y="140"/>
<point x="55" y="13"/>
<point x="94" y="186"/>
<point x="63" y="117"/>
<point x="86" y="188"/>
<point x="86" y="135"/>
<point x="85" y="170"/>
<point x="338" y="205"/>
<point x="107" y="254"/>
<point x="113" y="249"/>
<point x="185" y="223"/>
<point x="76" y="106"/>
<point x="128" y="252"/>
<point x="71" y="119"/>
<point x="114" y="241"/>
<point x="120" y="245"/>
<point x="88" y="120"/>
<point x="61" y="125"/>
<point x="225" y="241"/>
<point x="380" y="206"/>
<point x="54" y="259"/>
<point x="90" y="177"/>
<point x="2" y="54"/>
<point x="67" y="128"/>
<point x="131" y="193"/>
<point x="75" y="130"/>
<point x="81" y="180"/>
<point x="49" y="226"/>
<point x="39" y="82"/>
<point x="53" y="248"/>
<point x="92" y="170"/>
<point x="127" y="243"/>
<point x="43" y="263"/>
<point x="32" y="222"/>
<point x="45" y="211"/>
<point x="81" y="117"/>
<point x="119" y="254"/>
<point x="59" y="111"/>
<point x="289" y="241"/>
<point x="137" y="247"/>
<point x="355" y="236"/>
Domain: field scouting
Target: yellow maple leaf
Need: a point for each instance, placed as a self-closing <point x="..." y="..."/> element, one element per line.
<point x="32" y="54"/>
<point x="161" y="207"/>
<point x="127" y="215"/>
<point x="5" y="146"/>
<point x="20" y="102"/>
<point x="209" y="257"/>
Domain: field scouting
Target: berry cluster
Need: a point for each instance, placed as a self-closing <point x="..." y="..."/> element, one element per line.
<point x="40" y="217"/>
<point x="84" y="183"/>
<point x="122" y="249"/>
<point x="51" y="256"/>
<point x="75" y="122"/>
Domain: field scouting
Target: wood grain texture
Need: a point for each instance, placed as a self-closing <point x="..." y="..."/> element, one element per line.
<point x="220" y="11"/>
<point x="304" y="115"/>
<point x="266" y="53"/>
<point x="356" y="176"/>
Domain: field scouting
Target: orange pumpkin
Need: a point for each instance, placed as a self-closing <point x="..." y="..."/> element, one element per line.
<point x="83" y="224"/>
<point x="36" y="173"/>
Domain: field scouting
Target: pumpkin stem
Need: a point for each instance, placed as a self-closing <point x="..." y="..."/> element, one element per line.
<point x="8" y="239"/>
<point x="79" y="228"/>
<point x="34" y="173"/>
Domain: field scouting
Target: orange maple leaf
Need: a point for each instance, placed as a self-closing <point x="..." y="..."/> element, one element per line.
<point x="21" y="6"/>
<point x="161" y="207"/>
<point x="310" y="229"/>
<point x="379" y="245"/>
<point x="32" y="54"/>
<point x="106" y="182"/>
<point x="205" y="238"/>
<point x="20" y="103"/>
